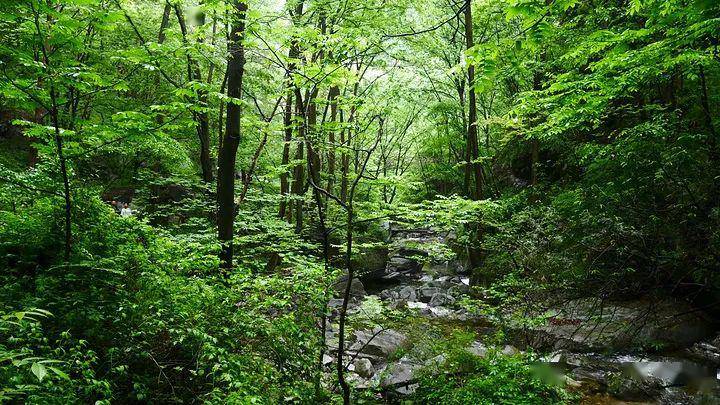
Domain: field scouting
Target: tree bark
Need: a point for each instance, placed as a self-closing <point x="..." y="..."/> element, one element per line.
<point x="298" y="184"/>
<point x="332" y="96"/>
<point x="202" y="118"/>
<point x="472" y="137"/>
<point x="284" y="176"/>
<point x="231" y="139"/>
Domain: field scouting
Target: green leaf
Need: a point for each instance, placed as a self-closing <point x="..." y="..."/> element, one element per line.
<point x="60" y="373"/>
<point x="39" y="370"/>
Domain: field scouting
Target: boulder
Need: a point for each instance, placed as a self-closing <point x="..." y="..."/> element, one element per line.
<point x="402" y="265"/>
<point x="629" y="389"/>
<point x="407" y="293"/>
<point x="707" y="351"/>
<point x="357" y="289"/>
<point x="509" y="350"/>
<point x="378" y="342"/>
<point x="440" y="312"/>
<point x="364" y="368"/>
<point x="426" y="293"/>
<point x="478" y="349"/>
<point x="441" y="299"/>
<point x="586" y="325"/>
<point x="400" y="376"/>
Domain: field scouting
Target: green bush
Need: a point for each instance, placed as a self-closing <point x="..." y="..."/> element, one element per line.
<point x="468" y="379"/>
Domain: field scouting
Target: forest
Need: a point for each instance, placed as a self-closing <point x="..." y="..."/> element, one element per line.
<point x="359" y="201"/>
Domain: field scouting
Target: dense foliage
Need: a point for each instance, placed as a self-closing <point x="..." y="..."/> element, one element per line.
<point x="571" y="146"/>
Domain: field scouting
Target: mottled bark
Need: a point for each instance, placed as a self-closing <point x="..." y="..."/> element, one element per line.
<point x="231" y="139"/>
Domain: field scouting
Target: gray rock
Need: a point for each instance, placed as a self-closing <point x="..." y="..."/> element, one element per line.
<point x="478" y="349"/>
<point x="509" y="350"/>
<point x="364" y="368"/>
<point x="441" y="299"/>
<point x="629" y="389"/>
<point x="389" y="295"/>
<point x="399" y="376"/>
<point x="706" y="352"/>
<point x="585" y="325"/>
<point x="357" y="289"/>
<point x="335" y="303"/>
<point x="458" y="290"/>
<point x="440" y="312"/>
<point x="402" y="264"/>
<point x="443" y="285"/>
<point x="378" y="342"/>
<point x="425" y="294"/>
<point x="407" y="293"/>
<point x="436" y="361"/>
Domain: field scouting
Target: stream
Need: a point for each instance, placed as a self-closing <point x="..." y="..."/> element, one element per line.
<point x="583" y="342"/>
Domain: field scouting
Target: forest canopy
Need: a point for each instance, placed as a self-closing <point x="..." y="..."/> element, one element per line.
<point x="336" y="201"/>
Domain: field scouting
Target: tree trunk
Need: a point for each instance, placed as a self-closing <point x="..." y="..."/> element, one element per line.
<point x="164" y="23"/>
<point x="334" y="93"/>
<point x="534" y="157"/>
<point x="231" y="139"/>
<point x="298" y="184"/>
<point x="472" y="136"/>
<point x="288" y="128"/>
<point x="202" y="118"/>
<point x="63" y="173"/>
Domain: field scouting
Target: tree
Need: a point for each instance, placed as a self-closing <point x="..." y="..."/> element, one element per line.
<point x="231" y="139"/>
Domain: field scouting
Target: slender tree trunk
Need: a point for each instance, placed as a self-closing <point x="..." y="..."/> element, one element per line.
<point x="202" y="118"/>
<point x="346" y="139"/>
<point x="334" y="93"/>
<point x="284" y="181"/>
<point x="286" y="188"/>
<point x="313" y="157"/>
<point x="63" y="173"/>
<point x="299" y="169"/>
<point x="231" y="139"/>
<point x="164" y="23"/>
<point x="534" y="158"/>
<point x="472" y="138"/>
<point x="343" y="309"/>
<point x="712" y="143"/>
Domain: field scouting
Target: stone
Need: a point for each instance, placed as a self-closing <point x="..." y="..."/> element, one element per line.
<point x="440" y="312"/>
<point x="364" y="368"/>
<point x="327" y="359"/>
<point x="417" y="305"/>
<point x="378" y="342"/>
<point x="335" y="303"/>
<point x="585" y="325"/>
<point x="478" y="349"/>
<point x="398" y="304"/>
<point x="407" y="293"/>
<point x="401" y="264"/>
<point x="357" y="289"/>
<point x="707" y="352"/>
<point x="389" y="295"/>
<point x="441" y="299"/>
<point x="399" y="376"/>
<point x="444" y="268"/>
<point x="436" y="361"/>
<point x="630" y="389"/>
<point x="425" y="294"/>
<point x="569" y="382"/>
<point x="458" y="290"/>
<point x="443" y="285"/>
<point x="509" y="350"/>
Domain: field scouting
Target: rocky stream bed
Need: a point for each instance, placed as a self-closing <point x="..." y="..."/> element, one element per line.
<point x="590" y="344"/>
